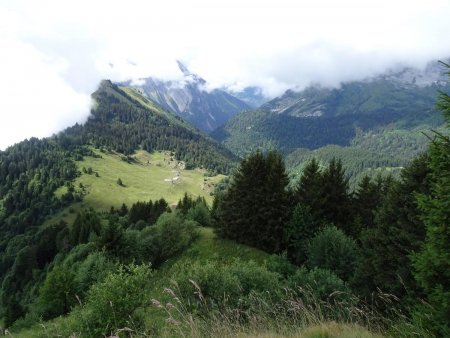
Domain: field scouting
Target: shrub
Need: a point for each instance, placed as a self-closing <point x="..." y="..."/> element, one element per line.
<point x="79" y="253"/>
<point x="131" y="247"/>
<point x="111" y="304"/>
<point x="57" y="294"/>
<point x="167" y="238"/>
<point x="331" y="249"/>
<point x="200" y="214"/>
<point x="323" y="284"/>
<point x="281" y="265"/>
<point x="210" y="285"/>
<point x="93" y="269"/>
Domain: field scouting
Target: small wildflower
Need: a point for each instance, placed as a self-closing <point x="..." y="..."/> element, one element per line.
<point x="172" y="321"/>
<point x="169" y="291"/>
<point x="156" y="303"/>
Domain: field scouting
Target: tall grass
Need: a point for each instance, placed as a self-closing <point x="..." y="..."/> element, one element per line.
<point x="298" y="314"/>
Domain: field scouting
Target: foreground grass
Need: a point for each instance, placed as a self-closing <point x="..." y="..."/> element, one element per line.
<point x="324" y="330"/>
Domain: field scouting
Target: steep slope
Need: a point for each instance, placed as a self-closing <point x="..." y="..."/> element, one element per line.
<point x="190" y="99"/>
<point x="317" y="116"/>
<point x="125" y="123"/>
<point x="31" y="171"/>
<point x="44" y="182"/>
<point x="408" y="92"/>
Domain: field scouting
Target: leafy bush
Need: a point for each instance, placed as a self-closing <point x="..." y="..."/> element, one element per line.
<point x="331" y="249"/>
<point x="323" y="284"/>
<point x="210" y="285"/>
<point x="281" y="265"/>
<point x="168" y="237"/>
<point x="200" y="214"/>
<point x="111" y="304"/>
<point x="131" y="247"/>
<point x="93" y="269"/>
<point x="57" y="295"/>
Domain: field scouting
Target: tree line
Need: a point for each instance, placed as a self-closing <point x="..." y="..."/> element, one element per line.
<point x="42" y="271"/>
<point x="388" y="234"/>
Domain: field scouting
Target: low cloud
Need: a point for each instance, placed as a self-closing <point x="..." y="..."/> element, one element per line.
<point x="55" y="53"/>
<point x="36" y="100"/>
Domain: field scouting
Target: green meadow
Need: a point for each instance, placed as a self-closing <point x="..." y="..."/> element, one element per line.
<point x="144" y="177"/>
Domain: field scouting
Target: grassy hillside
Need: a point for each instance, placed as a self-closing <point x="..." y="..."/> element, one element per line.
<point x="159" y="320"/>
<point x="145" y="177"/>
<point x="209" y="248"/>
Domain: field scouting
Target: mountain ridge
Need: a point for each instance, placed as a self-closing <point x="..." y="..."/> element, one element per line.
<point x="318" y="116"/>
<point x="316" y="100"/>
<point x="190" y="99"/>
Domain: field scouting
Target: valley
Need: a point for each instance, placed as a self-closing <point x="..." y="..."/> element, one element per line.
<point x="191" y="99"/>
<point x="280" y="222"/>
<point x="224" y="169"/>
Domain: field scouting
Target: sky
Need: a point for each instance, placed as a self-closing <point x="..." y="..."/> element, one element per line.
<point x="53" y="53"/>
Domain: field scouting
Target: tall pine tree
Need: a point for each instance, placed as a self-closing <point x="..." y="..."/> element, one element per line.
<point x="366" y="200"/>
<point x="256" y="206"/>
<point x="336" y="203"/>
<point x="432" y="263"/>
<point x="308" y="192"/>
<point x="398" y="231"/>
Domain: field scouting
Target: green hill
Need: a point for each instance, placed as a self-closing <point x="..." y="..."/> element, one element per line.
<point x="58" y="178"/>
<point x="120" y="122"/>
<point x="124" y="121"/>
<point x="375" y="125"/>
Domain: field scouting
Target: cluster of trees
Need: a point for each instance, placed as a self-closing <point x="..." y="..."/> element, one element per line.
<point x="390" y="235"/>
<point x="43" y="272"/>
<point x="256" y="204"/>
<point x="358" y="162"/>
<point x="30" y="172"/>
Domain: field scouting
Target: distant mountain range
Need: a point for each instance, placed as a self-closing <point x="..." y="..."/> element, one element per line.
<point x="392" y="91"/>
<point x="253" y="96"/>
<point x="318" y="116"/>
<point x="190" y="99"/>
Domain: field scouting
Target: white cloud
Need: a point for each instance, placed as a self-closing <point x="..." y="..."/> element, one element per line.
<point x="35" y="100"/>
<point x="54" y="53"/>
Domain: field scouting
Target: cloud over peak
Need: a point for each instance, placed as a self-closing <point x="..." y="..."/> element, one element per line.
<point x="55" y="53"/>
